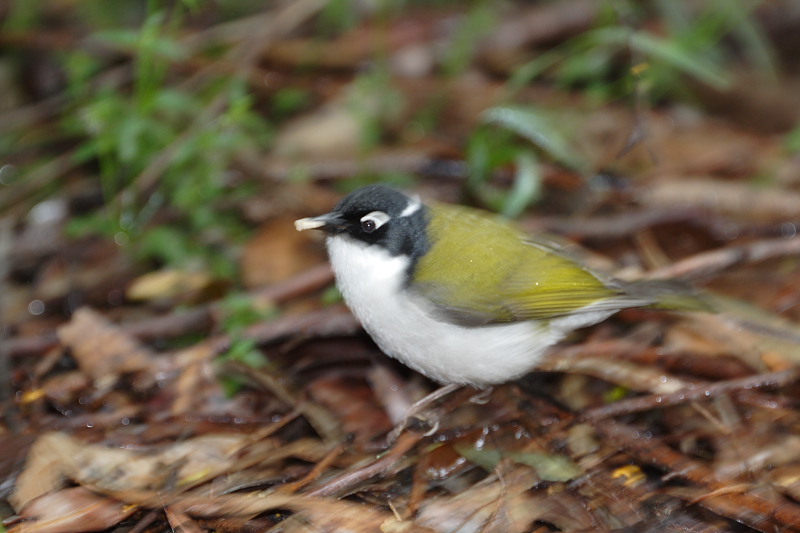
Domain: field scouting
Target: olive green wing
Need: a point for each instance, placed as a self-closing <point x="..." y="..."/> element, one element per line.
<point x="495" y="273"/>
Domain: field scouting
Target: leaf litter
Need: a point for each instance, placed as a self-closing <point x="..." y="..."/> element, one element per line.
<point x="115" y="413"/>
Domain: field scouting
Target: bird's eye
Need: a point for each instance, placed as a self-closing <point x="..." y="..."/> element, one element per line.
<point x="373" y="221"/>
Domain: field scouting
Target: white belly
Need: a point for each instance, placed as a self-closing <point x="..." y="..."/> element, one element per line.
<point x="371" y="282"/>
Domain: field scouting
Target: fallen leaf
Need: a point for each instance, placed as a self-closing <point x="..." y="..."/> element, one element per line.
<point x="353" y="404"/>
<point x="737" y="199"/>
<point x="311" y="514"/>
<point x="278" y="252"/>
<point x="166" y="284"/>
<point x="505" y="504"/>
<point x="70" y="511"/>
<point x="103" y="350"/>
<point x="57" y="457"/>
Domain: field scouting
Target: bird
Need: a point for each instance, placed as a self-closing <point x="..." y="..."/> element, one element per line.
<point x="462" y="296"/>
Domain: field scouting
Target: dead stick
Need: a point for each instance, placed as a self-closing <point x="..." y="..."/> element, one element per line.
<point x="698" y="392"/>
<point x="334" y="321"/>
<point x="350" y="479"/>
<point x="707" y="263"/>
<point x="191" y="321"/>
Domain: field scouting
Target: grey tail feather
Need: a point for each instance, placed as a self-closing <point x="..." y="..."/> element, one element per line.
<point x="670" y="295"/>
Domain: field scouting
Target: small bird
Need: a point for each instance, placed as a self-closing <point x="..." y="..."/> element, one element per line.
<point x="462" y="296"/>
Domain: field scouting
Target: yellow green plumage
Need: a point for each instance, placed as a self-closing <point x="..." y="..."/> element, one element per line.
<point x="497" y="273"/>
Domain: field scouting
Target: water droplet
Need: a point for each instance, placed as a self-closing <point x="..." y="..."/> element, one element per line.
<point x="7" y="173"/>
<point x="121" y="238"/>
<point x="36" y="307"/>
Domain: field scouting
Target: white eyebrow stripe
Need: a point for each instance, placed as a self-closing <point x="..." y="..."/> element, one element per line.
<point x="379" y="217"/>
<point x="413" y="206"/>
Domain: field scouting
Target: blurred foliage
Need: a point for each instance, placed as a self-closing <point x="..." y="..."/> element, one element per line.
<point x="657" y="65"/>
<point x="238" y="313"/>
<point x="792" y="141"/>
<point x="164" y="144"/>
<point x="688" y="42"/>
<point x="166" y="140"/>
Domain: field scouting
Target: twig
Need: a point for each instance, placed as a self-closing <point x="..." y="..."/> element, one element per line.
<point x="316" y="471"/>
<point x="694" y="393"/>
<point x="347" y="480"/>
<point x="708" y="263"/>
<point x="330" y="322"/>
<point x="194" y="320"/>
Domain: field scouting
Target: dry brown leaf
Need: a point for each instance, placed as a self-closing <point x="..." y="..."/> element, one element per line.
<point x="505" y="504"/>
<point x="630" y="375"/>
<point x="724" y="333"/>
<point x="353" y="404"/>
<point x="167" y="283"/>
<point x="757" y="454"/>
<point x="729" y="198"/>
<point x="103" y="350"/>
<point x="787" y="480"/>
<point x="56" y="457"/>
<point x="180" y="523"/>
<point x="278" y="252"/>
<point x="312" y="514"/>
<point x="60" y="389"/>
<point x="196" y="380"/>
<point x="70" y="511"/>
<point x="333" y="129"/>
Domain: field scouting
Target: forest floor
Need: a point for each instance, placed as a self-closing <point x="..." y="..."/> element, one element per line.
<point x="175" y="358"/>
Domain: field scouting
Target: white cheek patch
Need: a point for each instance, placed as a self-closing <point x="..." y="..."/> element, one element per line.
<point x="413" y="206"/>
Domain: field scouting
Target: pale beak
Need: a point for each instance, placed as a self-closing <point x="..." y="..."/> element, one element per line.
<point x="309" y="223"/>
<point x="329" y="222"/>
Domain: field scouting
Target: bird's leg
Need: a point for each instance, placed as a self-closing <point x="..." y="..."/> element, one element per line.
<point x="482" y="398"/>
<point x="419" y="406"/>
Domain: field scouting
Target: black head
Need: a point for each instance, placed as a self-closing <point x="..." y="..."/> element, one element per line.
<point x="380" y="216"/>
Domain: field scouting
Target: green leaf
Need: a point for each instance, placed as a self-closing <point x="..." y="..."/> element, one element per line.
<point x="245" y="351"/>
<point x="332" y="296"/>
<point x="688" y="61"/>
<point x="755" y="44"/>
<point x="240" y="311"/>
<point x="550" y="467"/>
<point x="486" y="458"/>
<point x="166" y="243"/>
<point x="526" y="73"/>
<point x="534" y="126"/>
<point x="690" y="53"/>
<point x="122" y="38"/>
<point x="527" y="186"/>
